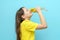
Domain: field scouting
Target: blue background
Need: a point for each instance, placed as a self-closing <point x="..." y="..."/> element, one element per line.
<point x="8" y="10"/>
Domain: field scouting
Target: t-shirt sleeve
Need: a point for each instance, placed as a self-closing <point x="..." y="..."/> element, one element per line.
<point x="31" y="26"/>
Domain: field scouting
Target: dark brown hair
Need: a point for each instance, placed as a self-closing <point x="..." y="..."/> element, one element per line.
<point x="19" y="19"/>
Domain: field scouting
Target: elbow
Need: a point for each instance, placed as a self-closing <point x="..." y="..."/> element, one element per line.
<point x="44" y="26"/>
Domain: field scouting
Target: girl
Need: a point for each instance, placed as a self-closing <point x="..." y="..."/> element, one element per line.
<point x="25" y="28"/>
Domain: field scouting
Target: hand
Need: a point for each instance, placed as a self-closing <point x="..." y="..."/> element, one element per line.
<point x="38" y="9"/>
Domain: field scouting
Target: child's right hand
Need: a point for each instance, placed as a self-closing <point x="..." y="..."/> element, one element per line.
<point x="38" y="9"/>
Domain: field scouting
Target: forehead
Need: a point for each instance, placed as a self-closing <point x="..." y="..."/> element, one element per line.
<point x="24" y="8"/>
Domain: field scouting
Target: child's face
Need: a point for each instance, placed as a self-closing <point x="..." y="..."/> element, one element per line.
<point x="27" y="13"/>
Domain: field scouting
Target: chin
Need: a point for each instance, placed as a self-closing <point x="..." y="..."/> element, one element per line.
<point x="31" y="16"/>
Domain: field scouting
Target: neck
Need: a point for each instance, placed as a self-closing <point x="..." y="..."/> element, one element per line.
<point x="27" y="18"/>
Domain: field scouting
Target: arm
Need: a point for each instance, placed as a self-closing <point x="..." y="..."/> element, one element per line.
<point x="43" y="24"/>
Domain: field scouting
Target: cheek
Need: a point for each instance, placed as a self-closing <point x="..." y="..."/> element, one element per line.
<point x="28" y="14"/>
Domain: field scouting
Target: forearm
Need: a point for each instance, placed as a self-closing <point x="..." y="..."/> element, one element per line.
<point x="42" y="19"/>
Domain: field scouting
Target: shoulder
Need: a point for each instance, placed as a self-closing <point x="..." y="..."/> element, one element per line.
<point x="25" y="22"/>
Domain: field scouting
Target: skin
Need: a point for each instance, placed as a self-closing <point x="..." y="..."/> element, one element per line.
<point x="28" y="14"/>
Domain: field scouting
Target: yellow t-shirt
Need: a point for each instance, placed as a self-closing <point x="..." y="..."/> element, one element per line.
<point x="27" y="30"/>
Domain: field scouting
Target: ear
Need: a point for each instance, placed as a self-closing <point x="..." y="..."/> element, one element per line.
<point x="23" y="16"/>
